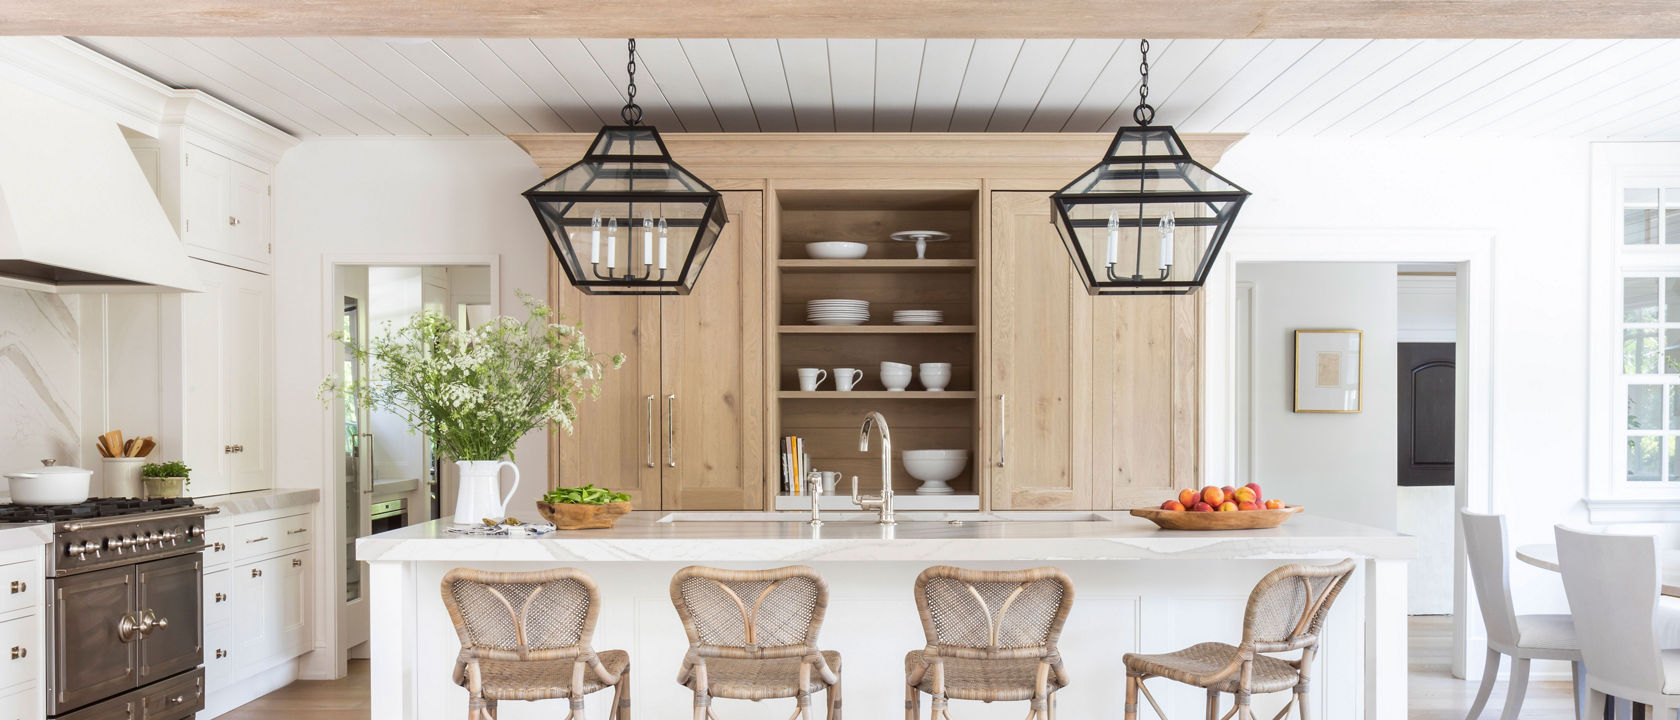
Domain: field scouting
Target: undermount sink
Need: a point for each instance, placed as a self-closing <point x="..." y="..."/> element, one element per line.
<point x="870" y="517"/>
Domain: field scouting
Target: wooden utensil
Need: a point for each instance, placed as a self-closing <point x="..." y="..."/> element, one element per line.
<point x="1238" y="520"/>
<point x="147" y="445"/>
<point x="100" y="444"/>
<point x="114" y="441"/>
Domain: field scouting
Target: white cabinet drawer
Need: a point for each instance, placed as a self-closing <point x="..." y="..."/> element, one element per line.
<point x="20" y="585"/>
<point x="218" y="547"/>
<point x="218" y="597"/>
<point x="24" y="704"/>
<point x="267" y="536"/>
<point x="19" y="651"/>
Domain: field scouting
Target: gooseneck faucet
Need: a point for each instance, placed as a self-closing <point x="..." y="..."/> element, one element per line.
<point x="884" y="502"/>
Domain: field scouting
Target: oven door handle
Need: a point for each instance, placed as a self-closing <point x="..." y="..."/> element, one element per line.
<point x="128" y="630"/>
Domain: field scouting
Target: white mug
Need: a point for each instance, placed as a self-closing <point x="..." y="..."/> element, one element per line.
<point x="847" y="378"/>
<point x="830" y="481"/>
<point x="810" y="378"/>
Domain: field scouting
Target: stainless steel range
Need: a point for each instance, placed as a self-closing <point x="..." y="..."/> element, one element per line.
<point x="124" y="595"/>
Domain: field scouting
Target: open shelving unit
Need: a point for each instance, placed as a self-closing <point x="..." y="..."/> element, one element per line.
<point x="891" y="278"/>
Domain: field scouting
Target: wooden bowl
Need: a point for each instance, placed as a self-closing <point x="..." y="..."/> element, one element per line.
<point x="571" y="516"/>
<point x="1239" y="520"/>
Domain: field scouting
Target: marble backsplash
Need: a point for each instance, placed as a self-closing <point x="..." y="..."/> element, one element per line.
<point x="40" y="379"/>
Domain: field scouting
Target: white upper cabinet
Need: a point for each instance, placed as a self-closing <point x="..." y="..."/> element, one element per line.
<point x="224" y="210"/>
<point x="219" y="411"/>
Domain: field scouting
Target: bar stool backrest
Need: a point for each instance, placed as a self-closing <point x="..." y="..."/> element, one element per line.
<point x="1287" y="607"/>
<point x="1612" y="584"/>
<point x="992" y="610"/>
<point x="758" y="613"/>
<point x="541" y="615"/>
<point x="1490" y="570"/>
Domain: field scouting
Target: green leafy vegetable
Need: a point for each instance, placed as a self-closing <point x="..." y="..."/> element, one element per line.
<point x="586" y="495"/>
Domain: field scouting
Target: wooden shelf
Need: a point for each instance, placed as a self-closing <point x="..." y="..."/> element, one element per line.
<point x="876" y="329"/>
<point x="877" y="395"/>
<point x="882" y="266"/>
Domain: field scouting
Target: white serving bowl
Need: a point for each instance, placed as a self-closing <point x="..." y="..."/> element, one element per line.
<point x="934" y="376"/>
<point x="934" y="468"/>
<point x="895" y="380"/>
<point x="836" y="250"/>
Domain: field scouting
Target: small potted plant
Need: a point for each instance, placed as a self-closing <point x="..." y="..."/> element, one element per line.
<point x="583" y="508"/>
<point x="166" y="480"/>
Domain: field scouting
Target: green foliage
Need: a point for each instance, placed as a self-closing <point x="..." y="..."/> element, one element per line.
<point x="586" y="495"/>
<point x="171" y="469"/>
<point x="477" y="392"/>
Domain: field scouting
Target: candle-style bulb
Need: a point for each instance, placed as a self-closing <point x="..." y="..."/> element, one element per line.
<point x="612" y="242"/>
<point x="1113" y="235"/>
<point x="647" y="238"/>
<point x="664" y="243"/>
<point x="595" y="239"/>
<point x="1166" y="228"/>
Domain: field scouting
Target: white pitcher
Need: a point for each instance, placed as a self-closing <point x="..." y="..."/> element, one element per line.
<point x="475" y="496"/>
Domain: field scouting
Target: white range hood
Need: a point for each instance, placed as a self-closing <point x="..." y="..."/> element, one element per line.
<point x="76" y="213"/>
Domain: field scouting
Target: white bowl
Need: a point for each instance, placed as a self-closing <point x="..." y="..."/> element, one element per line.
<point x="836" y="250"/>
<point x="934" y="468"/>
<point x="57" y="485"/>
<point x="895" y="380"/>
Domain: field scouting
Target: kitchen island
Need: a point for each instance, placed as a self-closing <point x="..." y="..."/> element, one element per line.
<point x="1138" y="588"/>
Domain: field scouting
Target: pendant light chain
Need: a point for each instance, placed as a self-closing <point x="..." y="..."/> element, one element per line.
<point x="1144" y="113"/>
<point x="632" y="113"/>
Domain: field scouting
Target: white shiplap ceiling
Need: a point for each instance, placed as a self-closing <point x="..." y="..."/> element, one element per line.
<point x="1597" y="89"/>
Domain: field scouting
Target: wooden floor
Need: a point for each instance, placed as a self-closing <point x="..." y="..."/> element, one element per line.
<point x="1432" y="692"/>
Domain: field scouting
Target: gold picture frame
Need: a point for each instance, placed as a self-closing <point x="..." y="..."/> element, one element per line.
<point x="1324" y="382"/>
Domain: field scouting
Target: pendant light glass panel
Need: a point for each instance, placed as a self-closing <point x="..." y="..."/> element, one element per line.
<point x="628" y="220"/>
<point x="1148" y="219"/>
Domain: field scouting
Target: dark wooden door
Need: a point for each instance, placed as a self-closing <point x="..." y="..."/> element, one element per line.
<point x="1426" y="390"/>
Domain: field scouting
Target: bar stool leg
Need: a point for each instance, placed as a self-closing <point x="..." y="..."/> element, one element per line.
<point x="1131" y="697"/>
<point x="1212" y="704"/>
<point x="912" y="703"/>
<point x="834" y="698"/>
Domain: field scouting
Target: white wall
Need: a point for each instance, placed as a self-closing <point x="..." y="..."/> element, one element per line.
<point x="1428" y="312"/>
<point x="1339" y="465"/>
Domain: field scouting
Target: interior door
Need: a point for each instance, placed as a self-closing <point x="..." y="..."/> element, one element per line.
<point x="169" y="602"/>
<point x="1039" y="405"/>
<point x="712" y="372"/>
<point x="1427" y="412"/>
<point x="94" y="658"/>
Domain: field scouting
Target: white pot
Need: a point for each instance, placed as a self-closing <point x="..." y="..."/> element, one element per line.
<point x="122" y="477"/>
<point x="50" y="485"/>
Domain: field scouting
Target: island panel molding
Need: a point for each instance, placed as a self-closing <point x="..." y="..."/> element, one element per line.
<point x="854" y="19"/>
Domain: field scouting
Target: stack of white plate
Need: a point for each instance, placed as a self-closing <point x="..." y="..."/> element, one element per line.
<point x="918" y="317"/>
<point x="837" y="312"/>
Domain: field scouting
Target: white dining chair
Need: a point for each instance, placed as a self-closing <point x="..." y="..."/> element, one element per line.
<point x="1613" y="582"/>
<point x="1522" y="637"/>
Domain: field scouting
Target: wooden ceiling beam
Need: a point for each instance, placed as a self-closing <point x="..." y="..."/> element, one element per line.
<point x="849" y="18"/>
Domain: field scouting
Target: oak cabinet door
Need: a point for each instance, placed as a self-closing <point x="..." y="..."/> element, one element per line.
<point x="617" y="440"/>
<point x="1144" y="384"/>
<point x="712" y="372"/>
<point x="1039" y="414"/>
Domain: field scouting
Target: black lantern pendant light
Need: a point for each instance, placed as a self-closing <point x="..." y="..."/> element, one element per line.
<point x="627" y="219"/>
<point x="1148" y="219"/>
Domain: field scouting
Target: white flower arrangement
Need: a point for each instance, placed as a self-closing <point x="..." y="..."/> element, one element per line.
<point x="476" y="392"/>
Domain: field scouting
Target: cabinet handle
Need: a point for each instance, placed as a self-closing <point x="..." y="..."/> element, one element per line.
<point x="256" y="572"/>
<point x="256" y="540"/>
<point x="299" y="530"/>
<point x="19" y="652"/>
<point x="650" y="411"/>
<point x="232" y="221"/>
<point x="127" y="630"/>
<point x="670" y="431"/>
<point x="1003" y="429"/>
<point x="297" y="563"/>
<point x="369" y="438"/>
<point x="19" y="586"/>
<point x="217" y="547"/>
<point x="220" y="653"/>
<point x="221" y="597"/>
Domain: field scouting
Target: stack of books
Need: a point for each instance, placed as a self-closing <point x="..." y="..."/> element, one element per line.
<point x="796" y="464"/>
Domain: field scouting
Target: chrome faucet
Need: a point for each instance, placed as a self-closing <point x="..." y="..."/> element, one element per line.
<point x="814" y="482"/>
<point x="885" y="501"/>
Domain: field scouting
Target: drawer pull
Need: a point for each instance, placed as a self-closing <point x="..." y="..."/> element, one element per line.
<point x="218" y="547"/>
<point x="177" y="700"/>
<point x="127" y="629"/>
<point x="19" y="586"/>
<point x="19" y="652"/>
<point x="299" y="530"/>
<point x="256" y="572"/>
<point x="220" y="653"/>
<point x="256" y="540"/>
<point x="221" y="597"/>
<point x="297" y="563"/>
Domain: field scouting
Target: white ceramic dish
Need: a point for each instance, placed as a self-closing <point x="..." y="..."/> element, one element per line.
<point x="934" y="376"/>
<point x="935" y="468"/>
<point x="921" y="238"/>
<point x="836" y="250"/>
<point x="52" y="485"/>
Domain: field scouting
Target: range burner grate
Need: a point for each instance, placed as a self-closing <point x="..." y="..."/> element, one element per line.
<point x="92" y="508"/>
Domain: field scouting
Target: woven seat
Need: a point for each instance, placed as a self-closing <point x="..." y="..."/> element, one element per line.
<point x="752" y="636"/>
<point x="526" y="636"/>
<point x="1285" y="611"/>
<point x="991" y="636"/>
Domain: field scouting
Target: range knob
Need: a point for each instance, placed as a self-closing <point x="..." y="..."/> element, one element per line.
<point x="195" y="531"/>
<point x="114" y="544"/>
<point x="154" y="538"/>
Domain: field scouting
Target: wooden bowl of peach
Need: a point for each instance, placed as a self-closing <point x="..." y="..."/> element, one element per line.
<point x="1219" y="508"/>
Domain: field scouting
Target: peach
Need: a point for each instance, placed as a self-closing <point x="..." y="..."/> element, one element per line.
<point x="1202" y="507"/>
<point x="1188" y="497"/>
<point x="1247" y="505"/>
<point x="1244" y="495"/>
<point x="1213" y="495"/>
<point x="1258" y="496"/>
<point x="1229" y="491"/>
<point x="1172" y="505"/>
<point x="1228" y="507"/>
<point x="1274" y="504"/>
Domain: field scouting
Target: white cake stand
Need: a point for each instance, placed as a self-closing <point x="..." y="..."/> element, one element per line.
<point x="921" y="238"/>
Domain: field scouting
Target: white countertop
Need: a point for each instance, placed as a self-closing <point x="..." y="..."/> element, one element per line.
<point x="22" y="535"/>
<point x="260" y="500"/>
<point x="1116" y="536"/>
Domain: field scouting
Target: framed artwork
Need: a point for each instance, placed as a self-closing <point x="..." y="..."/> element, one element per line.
<point x="1328" y="371"/>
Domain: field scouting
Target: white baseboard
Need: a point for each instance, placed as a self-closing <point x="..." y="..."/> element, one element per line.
<point x="250" y="688"/>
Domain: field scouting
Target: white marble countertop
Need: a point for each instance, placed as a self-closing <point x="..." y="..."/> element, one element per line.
<point x="22" y="535"/>
<point x="778" y="537"/>
<point x="260" y="500"/>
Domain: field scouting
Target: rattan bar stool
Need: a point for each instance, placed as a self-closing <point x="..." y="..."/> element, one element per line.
<point x="1285" y="612"/>
<point x="752" y="635"/>
<point x="991" y="635"/>
<point x="525" y="636"/>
